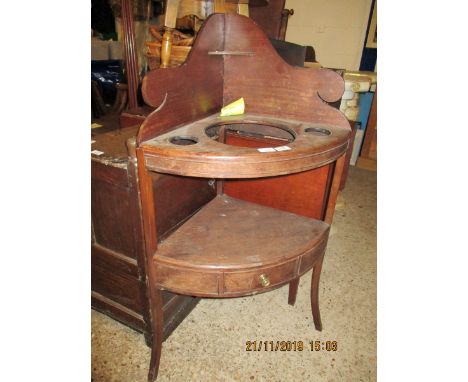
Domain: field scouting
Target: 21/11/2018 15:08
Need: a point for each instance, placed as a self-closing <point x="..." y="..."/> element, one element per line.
<point x="291" y="345"/>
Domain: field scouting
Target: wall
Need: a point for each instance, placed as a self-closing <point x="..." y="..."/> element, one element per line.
<point x="335" y="28"/>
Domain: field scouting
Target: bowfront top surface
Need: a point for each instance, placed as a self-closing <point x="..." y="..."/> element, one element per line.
<point x="232" y="58"/>
<point x="192" y="150"/>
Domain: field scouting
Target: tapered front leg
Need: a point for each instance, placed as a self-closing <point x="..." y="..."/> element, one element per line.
<point x="157" y="329"/>
<point x="293" y="291"/>
<point x="314" y="293"/>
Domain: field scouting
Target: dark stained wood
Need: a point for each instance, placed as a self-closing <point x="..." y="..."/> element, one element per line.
<point x="285" y="14"/>
<point x="117" y="311"/>
<point x="136" y="219"/>
<point x="109" y="212"/>
<point x="135" y="116"/>
<point x="198" y="282"/>
<point x="108" y="174"/>
<point x="302" y="193"/>
<point x="231" y="247"/>
<point x="215" y="81"/>
<point x="272" y="87"/>
<point x="293" y="285"/>
<point x="151" y="242"/>
<point x="272" y="18"/>
<point x="157" y="332"/>
<point x="177" y="198"/>
<point x="171" y="90"/>
<point x="118" y="286"/>
<point x="215" y="245"/>
<point x="107" y="259"/>
<point x="335" y="187"/>
<point x="118" y="261"/>
<point x="314" y="294"/>
<point x="131" y="60"/>
<point x="211" y="159"/>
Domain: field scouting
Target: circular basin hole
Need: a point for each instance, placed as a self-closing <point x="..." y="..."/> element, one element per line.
<point x="250" y="134"/>
<point x="317" y="131"/>
<point x="183" y="141"/>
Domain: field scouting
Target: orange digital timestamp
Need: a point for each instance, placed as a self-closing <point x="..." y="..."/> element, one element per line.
<point x="317" y="345"/>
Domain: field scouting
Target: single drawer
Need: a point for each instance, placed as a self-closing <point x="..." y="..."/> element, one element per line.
<point x="186" y="281"/>
<point x="248" y="282"/>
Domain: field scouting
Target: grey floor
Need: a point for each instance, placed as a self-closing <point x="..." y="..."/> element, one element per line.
<point x="210" y="344"/>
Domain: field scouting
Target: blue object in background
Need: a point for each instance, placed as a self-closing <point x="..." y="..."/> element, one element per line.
<point x="107" y="73"/>
<point x="365" y="104"/>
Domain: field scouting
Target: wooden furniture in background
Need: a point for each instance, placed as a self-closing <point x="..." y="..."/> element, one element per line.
<point x="98" y="105"/>
<point x="270" y="15"/>
<point x="272" y="18"/>
<point x="277" y="170"/>
<point x="118" y="263"/>
<point x="170" y="22"/>
<point x="130" y="56"/>
<point x="368" y="156"/>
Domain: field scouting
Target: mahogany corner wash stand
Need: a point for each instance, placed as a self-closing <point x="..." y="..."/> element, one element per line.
<point x="276" y="169"/>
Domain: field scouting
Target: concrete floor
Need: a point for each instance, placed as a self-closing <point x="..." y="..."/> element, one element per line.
<point x="210" y="344"/>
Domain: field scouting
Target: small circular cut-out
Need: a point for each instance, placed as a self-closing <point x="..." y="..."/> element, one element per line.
<point x="317" y="131"/>
<point x="183" y="141"/>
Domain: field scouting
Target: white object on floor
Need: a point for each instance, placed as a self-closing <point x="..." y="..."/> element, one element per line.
<point x="357" y="146"/>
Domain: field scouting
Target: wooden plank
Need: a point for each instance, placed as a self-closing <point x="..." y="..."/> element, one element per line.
<point x="106" y="258"/>
<point x="114" y="176"/>
<point x="117" y="311"/>
<point x="117" y="286"/>
<point x="110" y="206"/>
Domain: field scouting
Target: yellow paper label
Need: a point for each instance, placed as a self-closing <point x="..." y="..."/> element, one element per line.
<point x="234" y="108"/>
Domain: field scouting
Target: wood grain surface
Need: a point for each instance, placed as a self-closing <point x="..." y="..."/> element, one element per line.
<point x="243" y="67"/>
<point x="237" y="241"/>
<point x="211" y="159"/>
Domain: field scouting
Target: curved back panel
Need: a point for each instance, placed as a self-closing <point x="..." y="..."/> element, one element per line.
<point x="232" y="58"/>
<point x="269" y="85"/>
<point x="189" y="92"/>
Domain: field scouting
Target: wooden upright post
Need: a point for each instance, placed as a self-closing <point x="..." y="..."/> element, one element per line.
<point x="130" y="54"/>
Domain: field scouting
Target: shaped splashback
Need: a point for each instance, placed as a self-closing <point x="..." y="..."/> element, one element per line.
<point x="232" y="58"/>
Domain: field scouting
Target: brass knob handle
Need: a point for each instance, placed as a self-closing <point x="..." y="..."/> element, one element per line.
<point x="264" y="280"/>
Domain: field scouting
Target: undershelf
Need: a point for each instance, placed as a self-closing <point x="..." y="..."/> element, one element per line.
<point x="224" y="248"/>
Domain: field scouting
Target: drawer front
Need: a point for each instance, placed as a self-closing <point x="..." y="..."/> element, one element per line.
<point x="251" y="281"/>
<point x="186" y="281"/>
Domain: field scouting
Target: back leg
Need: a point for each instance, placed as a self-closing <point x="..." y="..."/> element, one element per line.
<point x="157" y="329"/>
